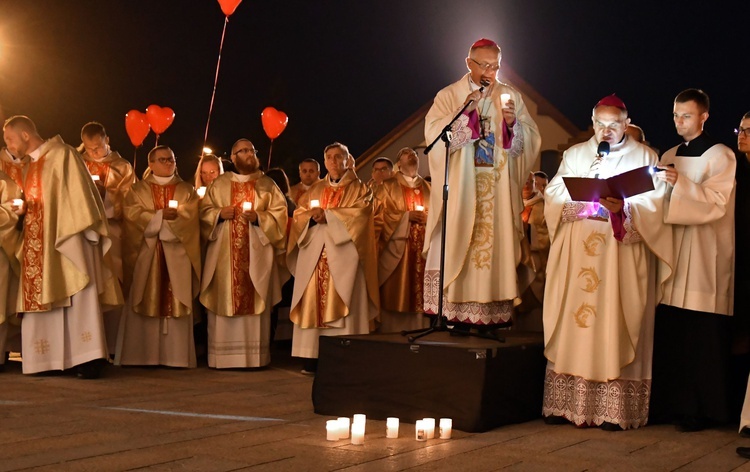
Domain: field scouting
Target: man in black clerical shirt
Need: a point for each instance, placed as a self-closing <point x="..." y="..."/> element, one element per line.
<point x="692" y="330"/>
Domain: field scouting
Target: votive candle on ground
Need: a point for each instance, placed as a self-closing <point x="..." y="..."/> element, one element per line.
<point x="419" y="208"/>
<point x="315" y="204"/>
<point x="332" y="430"/>
<point x="429" y="427"/>
<point x="17" y="202"/>
<point x="247" y="206"/>
<point x="419" y="432"/>
<point x="343" y="427"/>
<point x="446" y="428"/>
<point x="359" y="418"/>
<point x="358" y="434"/>
<point x="173" y="204"/>
<point x="201" y="191"/>
<point x="391" y="428"/>
<point x="95" y="177"/>
<point x="504" y="97"/>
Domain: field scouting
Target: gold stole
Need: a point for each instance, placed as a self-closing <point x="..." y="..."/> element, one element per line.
<point x="243" y="291"/>
<point x="331" y="198"/>
<point x="300" y="191"/>
<point x="15" y="172"/>
<point x="415" y="268"/>
<point x="33" y="239"/>
<point x="162" y="194"/>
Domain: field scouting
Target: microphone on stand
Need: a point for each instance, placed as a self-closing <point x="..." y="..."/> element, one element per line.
<point x="481" y="90"/>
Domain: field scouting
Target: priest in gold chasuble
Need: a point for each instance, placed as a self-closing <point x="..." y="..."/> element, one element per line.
<point x="244" y="220"/>
<point x="401" y="205"/>
<point x="65" y="282"/>
<point x="331" y="254"/>
<point x="113" y="177"/>
<point x="162" y="266"/>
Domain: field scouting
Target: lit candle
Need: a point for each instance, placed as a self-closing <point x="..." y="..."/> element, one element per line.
<point x="332" y="430"/>
<point x="247" y="206"/>
<point x="358" y="434"/>
<point x="446" y="428"/>
<point x="173" y="204"/>
<point x="94" y="177"/>
<point x="343" y="427"/>
<point x="17" y="202"/>
<point x="419" y="208"/>
<point x="419" y="431"/>
<point x="391" y="428"/>
<point x="315" y="204"/>
<point x="360" y="418"/>
<point x="429" y="427"/>
<point x="201" y="191"/>
<point x="504" y="97"/>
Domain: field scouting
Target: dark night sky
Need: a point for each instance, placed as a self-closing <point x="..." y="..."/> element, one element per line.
<point x="351" y="70"/>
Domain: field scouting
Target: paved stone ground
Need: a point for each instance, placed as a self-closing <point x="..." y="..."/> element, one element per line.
<point x="208" y="420"/>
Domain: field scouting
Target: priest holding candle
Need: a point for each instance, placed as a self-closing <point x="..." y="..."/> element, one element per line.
<point x="244" y="221"/>
<point x="331" y="252"/>
<point x="400" y="219"/>
<point x="162" y="262"/>
<point x="495" y="144"/>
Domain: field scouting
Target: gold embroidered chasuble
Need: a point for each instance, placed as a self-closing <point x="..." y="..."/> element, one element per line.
<point x="297" y="190"/>
<point x="161" y="258"/>
<point x="52" y="266"/>
<point x="400" y="263"/>
<point x="482" y="246"/>
<point x="244" y="269"/>
<point x="116" y="176"/>
<point x="10" y="238"/>
<point x="13" y="168"/>
<point x="348" y="203"/>
<point x="599" y="291"/>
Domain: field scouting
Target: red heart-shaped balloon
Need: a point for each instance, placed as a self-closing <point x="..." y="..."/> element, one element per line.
<point x="229" y="6"/>
<point x="274" y="122"/>
<point x="136" y="124"/>
<point x="159" y="118"/>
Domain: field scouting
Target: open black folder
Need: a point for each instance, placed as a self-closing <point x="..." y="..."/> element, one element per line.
<point x="627" y="184"/>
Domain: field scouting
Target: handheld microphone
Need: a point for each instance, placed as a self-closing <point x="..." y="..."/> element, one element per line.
<point x="481" y="90"/>
<point x="603" y="149"/>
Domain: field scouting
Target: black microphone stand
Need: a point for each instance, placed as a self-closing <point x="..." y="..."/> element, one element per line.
<point x="440" y="322"/>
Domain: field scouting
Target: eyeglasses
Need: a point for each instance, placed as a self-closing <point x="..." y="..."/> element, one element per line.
<point x="380" y="169"/>
<point x="165" y="160"/>
<point x="486" y="67"/>
<point x="614" y="126"/>
<point x="742" y="131"/>
<point x="244" y="150"/>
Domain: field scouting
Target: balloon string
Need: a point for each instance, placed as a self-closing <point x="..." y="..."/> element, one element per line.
<point x="270" y="149"/>
<point x="216" y="81"/>
<point x="135" y="156"/>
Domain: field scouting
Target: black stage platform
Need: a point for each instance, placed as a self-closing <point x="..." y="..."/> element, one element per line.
<point x="479" y="383"/>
